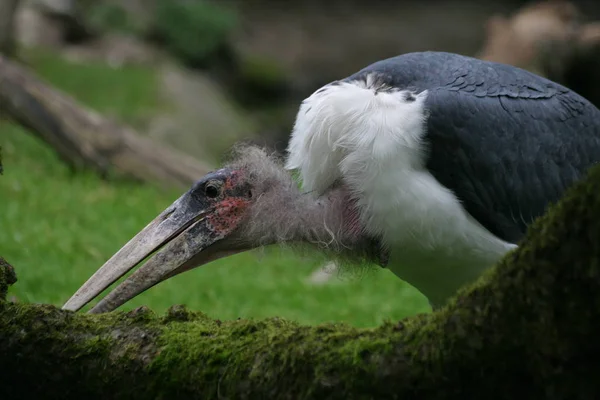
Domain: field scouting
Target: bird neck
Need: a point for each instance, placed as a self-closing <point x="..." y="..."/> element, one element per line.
<point x="332" y="223"/>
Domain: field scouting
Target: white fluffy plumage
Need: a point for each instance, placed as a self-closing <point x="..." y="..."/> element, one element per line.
<point x="371" y="137"/>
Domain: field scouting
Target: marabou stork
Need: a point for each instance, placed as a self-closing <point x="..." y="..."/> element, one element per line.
<point x="430" y="163"/>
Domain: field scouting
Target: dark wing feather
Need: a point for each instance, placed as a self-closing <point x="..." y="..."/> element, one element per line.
<point x="507" y="159"/>
<point x="505" y="141"/>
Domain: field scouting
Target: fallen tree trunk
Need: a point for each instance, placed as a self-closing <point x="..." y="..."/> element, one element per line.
<point x="529" y="327"/>
<point x="8" y="9"/>
<point x="85" y="139"/>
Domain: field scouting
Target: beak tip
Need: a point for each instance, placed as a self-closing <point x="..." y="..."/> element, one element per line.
<point x="171" y="229"/>
<point x="67" y="307"/>
<point x="74" y="304"/>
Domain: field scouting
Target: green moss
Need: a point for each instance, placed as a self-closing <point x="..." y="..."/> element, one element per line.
<point x="107" y="341"/>
<point x="258" y="354"/>
<point x="7" y="277"/>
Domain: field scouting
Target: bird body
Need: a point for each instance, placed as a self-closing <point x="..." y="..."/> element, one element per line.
<point x="432" y="164"/>
<point x="449" y="158"/>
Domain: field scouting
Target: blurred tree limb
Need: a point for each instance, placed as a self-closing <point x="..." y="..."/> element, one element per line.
<point x="528" y="328"/>
<point x="8" y="9"/>
<point x="83" y="138"/>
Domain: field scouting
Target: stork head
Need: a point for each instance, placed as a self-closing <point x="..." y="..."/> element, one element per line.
<point x="251" y="202"/>
<point x="217" y="217"/>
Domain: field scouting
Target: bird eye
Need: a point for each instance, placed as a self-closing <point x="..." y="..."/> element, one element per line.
<point x="211" y="190"/>
<point x="249" y="194"/>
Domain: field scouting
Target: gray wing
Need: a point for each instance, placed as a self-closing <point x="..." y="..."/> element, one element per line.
<point x="505" y="141"/>
<point x="507" y="159"/>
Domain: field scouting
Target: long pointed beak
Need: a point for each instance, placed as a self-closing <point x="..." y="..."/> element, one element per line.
<point x="186" y="238"/>
<point x="190" y="249"/>
<point x="167" y="225"/>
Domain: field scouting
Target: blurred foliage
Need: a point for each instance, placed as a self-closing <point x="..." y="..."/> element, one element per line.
<point x="195" y="31"/>
<point x="259" y="82"/>
<point x="103" y="16"/>
<point x="198" y="33"/>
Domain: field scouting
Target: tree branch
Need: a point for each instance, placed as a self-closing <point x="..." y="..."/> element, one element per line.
<point x="84" y="138"/>
<point x="8" y="9"/>
<point x="528" y="327"/>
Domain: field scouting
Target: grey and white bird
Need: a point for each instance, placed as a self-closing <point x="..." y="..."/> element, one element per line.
<point x="432" y="164"/>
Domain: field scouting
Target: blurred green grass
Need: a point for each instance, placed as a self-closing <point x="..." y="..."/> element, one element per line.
<point x="57" y="228"/>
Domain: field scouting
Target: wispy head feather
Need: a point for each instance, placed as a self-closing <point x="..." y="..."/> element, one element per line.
<point x="282" y="214"/>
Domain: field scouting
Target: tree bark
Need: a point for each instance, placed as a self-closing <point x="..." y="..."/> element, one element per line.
<point x="85" y="139"/>
<point x="8" y="9"/>
<point x="528" y="328"/>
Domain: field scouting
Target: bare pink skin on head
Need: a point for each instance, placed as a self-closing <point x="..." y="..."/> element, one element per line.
<point x="229" y="212"/>
<point x="228" y="215"/>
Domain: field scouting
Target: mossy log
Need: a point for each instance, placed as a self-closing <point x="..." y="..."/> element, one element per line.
<point x="529" y="327"/>
<point x="85" y="139"/>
